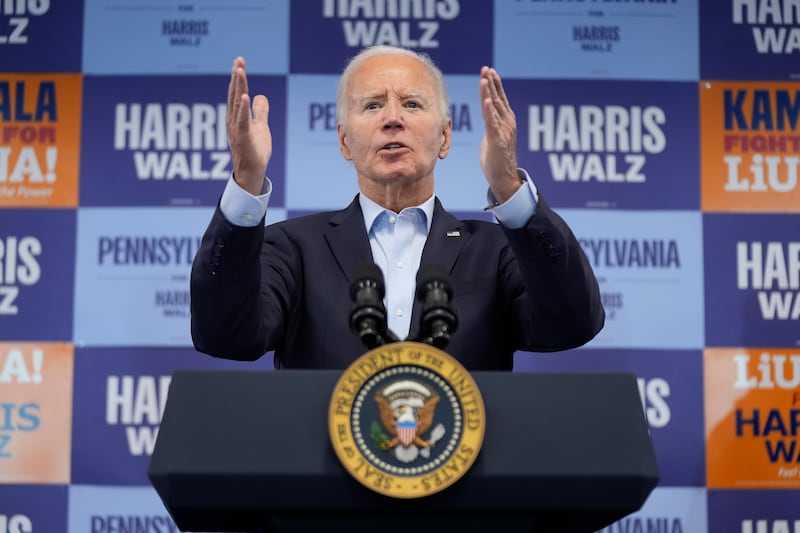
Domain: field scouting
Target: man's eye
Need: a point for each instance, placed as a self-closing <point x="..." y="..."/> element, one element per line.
<point x="371" y="106"/>
<point x="413" y="105"/>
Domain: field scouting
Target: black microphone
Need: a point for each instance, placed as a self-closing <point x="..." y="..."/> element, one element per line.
<point x="439" y="320"/>
<point x="368" y="316"/>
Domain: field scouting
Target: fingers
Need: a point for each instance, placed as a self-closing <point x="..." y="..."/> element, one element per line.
<point x="242" y="114"/>
<point x="260" y="108"/>
<point x="238" y="98"/>
<point x="485" y="92"/>
<point x="492" y="89"/>
<point x="501" y="92"/>
<point x="498" y="146"/>
<point x="235" y="86"/>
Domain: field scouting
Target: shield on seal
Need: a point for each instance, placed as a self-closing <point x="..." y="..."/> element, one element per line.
<point x="406" y="430"/>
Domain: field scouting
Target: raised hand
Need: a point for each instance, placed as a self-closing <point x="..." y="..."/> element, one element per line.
<point x="499" y="144"/>
<point x="248" y="131"/>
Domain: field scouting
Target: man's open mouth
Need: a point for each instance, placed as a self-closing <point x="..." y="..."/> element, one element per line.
<point x="393" y="146"/>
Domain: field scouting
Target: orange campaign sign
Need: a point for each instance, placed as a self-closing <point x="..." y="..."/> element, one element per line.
<point x="35" y="412"/>
<point x="752" y="418"/>
<point x="40" y="119"/>
<point x="750" y="146"/>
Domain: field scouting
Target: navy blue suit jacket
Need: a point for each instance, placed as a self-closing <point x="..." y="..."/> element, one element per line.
<point x="286" y="288"/>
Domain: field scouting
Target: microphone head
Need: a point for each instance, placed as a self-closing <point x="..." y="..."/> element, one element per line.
<point x="433" y="273"/>
<point x="439" y="320"/>
<point x="368" y="316"/>
<point x="366" y="274"/>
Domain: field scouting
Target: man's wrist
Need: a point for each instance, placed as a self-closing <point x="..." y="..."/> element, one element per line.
<point x="240" y="207"/>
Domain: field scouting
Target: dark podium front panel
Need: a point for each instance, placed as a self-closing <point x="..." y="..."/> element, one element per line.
<point x="250" y="451"/>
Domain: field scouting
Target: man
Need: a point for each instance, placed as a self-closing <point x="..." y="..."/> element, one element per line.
<point x="523" y="284"/>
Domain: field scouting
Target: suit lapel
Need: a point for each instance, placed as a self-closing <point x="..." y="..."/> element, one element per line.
<point x="445" y="241"/>
<point x="347" y="238"/>
<point x="348" y="241"/>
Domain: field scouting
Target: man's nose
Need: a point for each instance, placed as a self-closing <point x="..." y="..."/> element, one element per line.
<point x="393" y="115"/>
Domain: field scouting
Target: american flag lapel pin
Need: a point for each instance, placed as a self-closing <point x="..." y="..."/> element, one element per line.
<point x="455" y="233"/>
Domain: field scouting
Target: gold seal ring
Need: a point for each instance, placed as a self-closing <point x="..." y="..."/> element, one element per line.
<point x="406" y="420"/>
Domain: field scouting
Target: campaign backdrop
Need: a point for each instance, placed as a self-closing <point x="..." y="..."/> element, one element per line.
<point x="666" y="133"/>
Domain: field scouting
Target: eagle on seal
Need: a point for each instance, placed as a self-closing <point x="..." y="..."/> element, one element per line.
<point x="407" y="424"/>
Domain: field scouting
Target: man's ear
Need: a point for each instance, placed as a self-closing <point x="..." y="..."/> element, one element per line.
<point x="340" y="130"/>
<point x="447" y="134"/>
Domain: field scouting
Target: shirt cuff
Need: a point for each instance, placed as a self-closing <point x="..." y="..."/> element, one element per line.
<point x="515" y="212"/>
<point x="241" y="208"/>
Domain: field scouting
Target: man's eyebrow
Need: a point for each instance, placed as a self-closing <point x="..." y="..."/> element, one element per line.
<point x="370" y="96"/>
<point x="418" y="96"/>
<point x="382" y="96"/>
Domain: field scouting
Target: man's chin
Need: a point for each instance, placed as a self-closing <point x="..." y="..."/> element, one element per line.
<point x="395" y="173"/>
<point x="399" y="178"/>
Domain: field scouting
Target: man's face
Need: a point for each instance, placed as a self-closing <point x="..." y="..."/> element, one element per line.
<point x="394" y="129"/>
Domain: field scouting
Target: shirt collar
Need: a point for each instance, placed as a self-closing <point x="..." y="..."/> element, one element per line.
<point x="372" y="210"/>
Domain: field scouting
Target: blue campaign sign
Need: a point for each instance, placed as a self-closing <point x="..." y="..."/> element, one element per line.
<point x="460" y="182"/>
<point x="116" y="509"/>
<point x="40" y="36"/>
<point x="753" y="511"/>
<point x="752" y="280"/>
<point x="436" y="28"/>
<point x="609" y="144"/>
<point x="320" y="178"/>
<point x="667" y="510"/>
<point x="671" y="390"/>
<point x="163" y="141"/>
<point x="650" y="269"/>
<point x="25" y="508"/>
<point x="620" y="40"/>
<point x="36" y="278"/>
<point x="185" y="37"/>
<point x="133" y="268"/>
<point x="749" y="40"/>
<point x="120" y="395"/>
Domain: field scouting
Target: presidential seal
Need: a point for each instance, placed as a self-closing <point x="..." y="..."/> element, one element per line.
<point x="406" y="420"/>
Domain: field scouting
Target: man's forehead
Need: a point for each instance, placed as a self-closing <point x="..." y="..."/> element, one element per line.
<point x="395" y="70"/>
<point x="383" y="88"/>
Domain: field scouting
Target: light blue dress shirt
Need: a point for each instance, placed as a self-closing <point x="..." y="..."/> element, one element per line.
<point x="396" y="239"/>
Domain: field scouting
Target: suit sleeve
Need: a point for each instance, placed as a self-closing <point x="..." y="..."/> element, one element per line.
<point x="239" y="303"/>
<point x="550" y="285"/>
